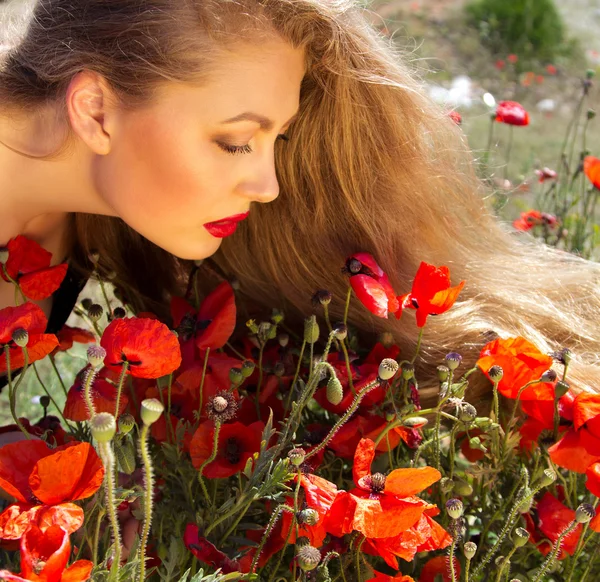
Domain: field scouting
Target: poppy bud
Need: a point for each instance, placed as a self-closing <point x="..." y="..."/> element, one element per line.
<point x="311" y="330"/>
<point x="590" y="74"/>
<point x="560" y="389"/>
<point x="223" y="406"/>
<point x="446" y="484"/>
<point x="470" y="549"/>
<point x="20" y="337"/>
<point x="276" y="316"/>
<point x="462" y="488"/>
<point x="335" y="392"/>
<point x="520" y="537"/>
<point x="309" y="557"/>
<point x="103" y="427"/>
<point x="266" y="330"/>
<point x="321" y="297"/>
<point x="151" y="410"/>
<point x="125" y="453"/>
<point x="296" y="456"/>
<point x="86" y="303"/>
<point x="475" y="443"/>
<point x="549" y="376"/>
<point x="96" y="355"/>
<point x="119" y="313"/>
<point x="468" y="413"/>
<point x="386" y="339"/>
<point x="408" y="371"/>
<point x="584" y="513"/>
<point x="247" y="368"/>
<point x="442" y="372"/>
<point x="251" y="325"/>
<point x="548" y="477"/>
<point x="3" y="255"/>
<point x="453" y="360"/>
<point x="389" y="414"/>
<point x="525" y="505"/>
<point x="387" y="369"/>
<point x="501" y="561"/>
<point x="235" y="376"/>
<point x="455" y="508"/>
<point x="283" y="339"/>
<point x="590" y="114"/>
<point x="415" y="422"/>
<point x="308" y="517"/>
<point x="95" y="311"/>
<point x="341" y="331"/>
<point x="126" y="423"/>
<point x="495" y="374"/>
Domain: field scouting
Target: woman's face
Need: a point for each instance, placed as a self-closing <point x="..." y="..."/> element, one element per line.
<point x="184" y="161"/>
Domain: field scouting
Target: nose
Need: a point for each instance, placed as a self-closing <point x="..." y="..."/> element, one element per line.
<point x="263" y="185"/>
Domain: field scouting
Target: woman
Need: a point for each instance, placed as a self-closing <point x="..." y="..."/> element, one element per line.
<point x="113" y="124"/>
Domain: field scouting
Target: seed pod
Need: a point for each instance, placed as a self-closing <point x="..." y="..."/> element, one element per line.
<point x="467" y="413"/>
<point x="103" y="427"/>
<point x="454" y="508"/>
<point x="126" y="423"/>
<point x="408" y="371"/>
<point x="462" y="488"/>
<point x="247" y="368"/>
<point x="470" y="549"/>
<point x="151" y="410"/>
<point x="520" y="537"/>
<point x="309" y="557"/>
<point x="446" y="484"/>
<point x="495" y="373"/>
<point x="548" y="477"/>
<point x="45" y="401"/>
<point x="560" y="389"/>
<point x="442" y="372"/>
<point x="296" y="456"/>
<point x="236" y="377"/>
<point x="387" y="369"/>
<point x="20" y="337"/>
<point x="95" y="311"/>
<point x="322" y="297"/>
<point x="119" y="313"/>
<point x="341" y="331"/>
<point x="335" y="392"/>
<point x="584" y="513"/>
<point x="415" y="422"/>
<point x="549" y="376"/>
<point x="96" y="355"/>
<point x="308" y="517"/>
<point x="453" y="360"/>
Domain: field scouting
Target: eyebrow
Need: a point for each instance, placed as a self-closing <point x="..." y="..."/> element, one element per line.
<point x="265" y="123"/>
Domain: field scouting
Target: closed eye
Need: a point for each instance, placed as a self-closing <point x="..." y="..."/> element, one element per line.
<point x="245" y="149"/>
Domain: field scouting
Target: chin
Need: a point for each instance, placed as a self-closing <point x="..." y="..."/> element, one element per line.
<point x="193" y="252"/>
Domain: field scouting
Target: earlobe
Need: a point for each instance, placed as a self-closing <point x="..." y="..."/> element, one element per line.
<point x="88" y="100"/>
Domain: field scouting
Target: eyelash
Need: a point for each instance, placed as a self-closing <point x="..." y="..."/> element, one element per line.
<point x="246" y="149"/>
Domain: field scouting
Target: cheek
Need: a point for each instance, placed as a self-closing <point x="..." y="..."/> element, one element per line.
<point x="158" y="171"/>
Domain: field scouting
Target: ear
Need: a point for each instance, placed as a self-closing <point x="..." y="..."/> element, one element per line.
<point x="90" y="102"/>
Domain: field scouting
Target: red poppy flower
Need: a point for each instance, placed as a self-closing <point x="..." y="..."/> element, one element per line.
<point x="237" y="444"/>
<point x="35" y="474"/>
<point x="103" y="392"/>
<point x="521" y="363"/>
<point x="424" y="536"/>
<point x="431" y="293"/>
<point x="211" y="326"/>
<point x="552" y="518"/>
<point x="206" y="552"/>
<point x="371" y="285"/>
<point x="319" y="494"/>
<point x="456" y="117"/>
<point x="67" y="336"/>
<point x="591" y="168"/>
<point x="44" y="557"/>
<point x="546" y="174"/>
<point x="512" y="113"/>
<point x="512" y="58"/>
<point x="500" y="64"/>
<point x="149" y="346"/>
<point x="438" y="566"/>
<point x="533" y="218"/>
<point x="580" y="447"/>
<point x="379" y="577"/>
<point x="29" y="265"/>
<point x="551" y="69"/>
<point x="593" y="479"/>
<point x="380" y="506"/>
<point x="31" y="318"/>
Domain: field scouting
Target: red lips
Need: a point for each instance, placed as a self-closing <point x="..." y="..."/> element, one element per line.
<point x="226" y="226"/>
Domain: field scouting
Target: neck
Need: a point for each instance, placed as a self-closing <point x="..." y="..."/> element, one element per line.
<point x="38" y="187"/>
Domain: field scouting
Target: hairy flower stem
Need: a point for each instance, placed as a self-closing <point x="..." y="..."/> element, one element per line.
<point x="87" y="387"/>
<point x="514" y="412"/>
<point x="108" y="458"/>
<point x="267" y="532"/>
<point x="260" y="379"/>
<point x="12" y="390"/>
<point x="453" y="577"/>
<point x="581" y="544"/>
<point x="555" y="550"/>
<point x="467" y="568"/>
<point x="60" y="380"/>
<point x="508" y="150"/>
<point x="210" y="459"/>
<point x="120" y="387"/>
<point x="289" y="398"/>
<point x="343" y="342"/>
<point x="418" y="348"/>
<point x="438" y="422"/>
<point x="148" y="491"/>
<point x="507" y="526"/>
<point x="505" y="563"/>
<point x="351" y="410"/>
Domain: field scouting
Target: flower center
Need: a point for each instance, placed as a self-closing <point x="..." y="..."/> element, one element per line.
<point x="232" y="451"/>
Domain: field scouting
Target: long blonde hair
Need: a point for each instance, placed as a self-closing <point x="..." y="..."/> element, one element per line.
<point x="372" y="165"/>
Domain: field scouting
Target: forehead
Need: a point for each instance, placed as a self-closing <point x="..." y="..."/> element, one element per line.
<point x="265" y="79"/>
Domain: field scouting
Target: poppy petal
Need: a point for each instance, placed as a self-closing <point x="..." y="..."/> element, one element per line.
<point x="363" y="457"/>
<point x="17" y="461"/>
<point x="591" y="168"/>
<point x="371" y="294"/>
<point x="41" y="284"/>
<point x="78" y="571"/>
<point x="406" y="482"/>
<point x="50" y="548"/>
<point x="218" y="308"/>
<point x="570" y="453"/>
<point x="73" y="471"/>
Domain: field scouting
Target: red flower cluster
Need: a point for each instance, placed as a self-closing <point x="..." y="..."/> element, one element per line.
<point x="533" y="218"/>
